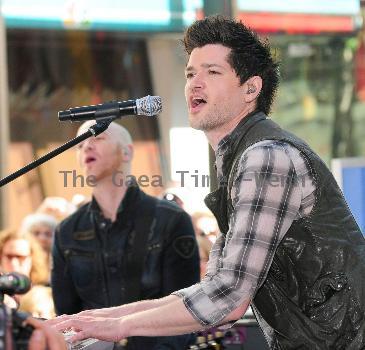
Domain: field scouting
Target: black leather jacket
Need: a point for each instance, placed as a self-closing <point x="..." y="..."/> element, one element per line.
<point x="90" y="256"/>
<point x="314" y="294"/>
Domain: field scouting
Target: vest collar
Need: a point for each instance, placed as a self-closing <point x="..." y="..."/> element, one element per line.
<point x="228" y="146"/>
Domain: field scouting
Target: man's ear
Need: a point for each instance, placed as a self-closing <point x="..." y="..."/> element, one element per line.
<point x="252" y="88"/>
<point x="128" y="153"/>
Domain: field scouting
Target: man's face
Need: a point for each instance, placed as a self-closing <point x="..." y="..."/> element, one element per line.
<point x="213" y="92"/>
<point x="100" y="156"/>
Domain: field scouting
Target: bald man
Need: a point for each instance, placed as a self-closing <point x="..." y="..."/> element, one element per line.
<point x="124" y="245"/>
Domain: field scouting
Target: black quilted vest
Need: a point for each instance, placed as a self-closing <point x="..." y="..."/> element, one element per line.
<point x="314" y="294"/>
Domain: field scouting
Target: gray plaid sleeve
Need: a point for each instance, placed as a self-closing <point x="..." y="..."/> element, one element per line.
<point x="266" y="199"/>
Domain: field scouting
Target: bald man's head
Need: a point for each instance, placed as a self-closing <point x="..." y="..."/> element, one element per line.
<point x="117" y="132"/>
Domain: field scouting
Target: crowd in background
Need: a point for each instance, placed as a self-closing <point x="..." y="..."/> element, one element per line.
<point x="26" y="249"/>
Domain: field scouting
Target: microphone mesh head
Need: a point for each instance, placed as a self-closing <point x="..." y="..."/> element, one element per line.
<point x="149" y="105"/>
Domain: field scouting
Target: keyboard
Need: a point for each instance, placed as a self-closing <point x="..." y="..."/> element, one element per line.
<point x="86" y="344"/>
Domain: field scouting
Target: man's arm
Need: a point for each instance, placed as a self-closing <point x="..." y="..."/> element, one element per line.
<point x="113" y="312"/>
<point x="169" y="317"/>
<point x="265" y="201"/>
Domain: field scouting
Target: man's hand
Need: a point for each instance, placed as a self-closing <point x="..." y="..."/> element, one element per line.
<point x="44" y="337"/>
<point x="108" y="329"/>
<point x="105" y="312"/>
<point x="59" y="319"/>
<point x="111" y="312"/>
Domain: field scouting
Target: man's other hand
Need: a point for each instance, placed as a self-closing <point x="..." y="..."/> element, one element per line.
<point x="44" y="337"/>
<point x="107" y="329"/>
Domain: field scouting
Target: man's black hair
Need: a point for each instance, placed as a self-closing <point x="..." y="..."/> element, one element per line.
<point x="249" y="55"/>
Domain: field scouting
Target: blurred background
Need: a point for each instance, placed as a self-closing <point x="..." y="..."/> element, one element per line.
<point x="60" y="54"/>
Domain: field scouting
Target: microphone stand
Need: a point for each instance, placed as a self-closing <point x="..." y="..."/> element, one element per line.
<point x="94" y="130"/>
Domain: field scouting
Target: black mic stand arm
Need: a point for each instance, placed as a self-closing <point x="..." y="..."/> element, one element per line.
<point x="94" y="130"/>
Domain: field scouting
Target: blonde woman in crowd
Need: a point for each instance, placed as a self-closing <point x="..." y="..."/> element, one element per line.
<point x="21" y="252"/>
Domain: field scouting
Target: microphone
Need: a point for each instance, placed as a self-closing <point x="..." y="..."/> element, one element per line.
<point x="149" y="105"/>
<point x="14" y="283"/>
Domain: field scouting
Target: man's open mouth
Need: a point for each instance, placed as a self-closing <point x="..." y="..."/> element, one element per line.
<point x="196" y="101"/>
<point x="89" y="159"/>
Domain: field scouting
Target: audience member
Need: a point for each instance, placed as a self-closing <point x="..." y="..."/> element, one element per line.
<point x="58" y="207"/>
<point x="205" y="224"/>
<point x="21" y="252"/>
<point x="205" y="245"/>
<point x="42" y="227"/>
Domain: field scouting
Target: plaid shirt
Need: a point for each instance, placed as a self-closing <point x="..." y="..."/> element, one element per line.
<point x="272" y="188"/>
